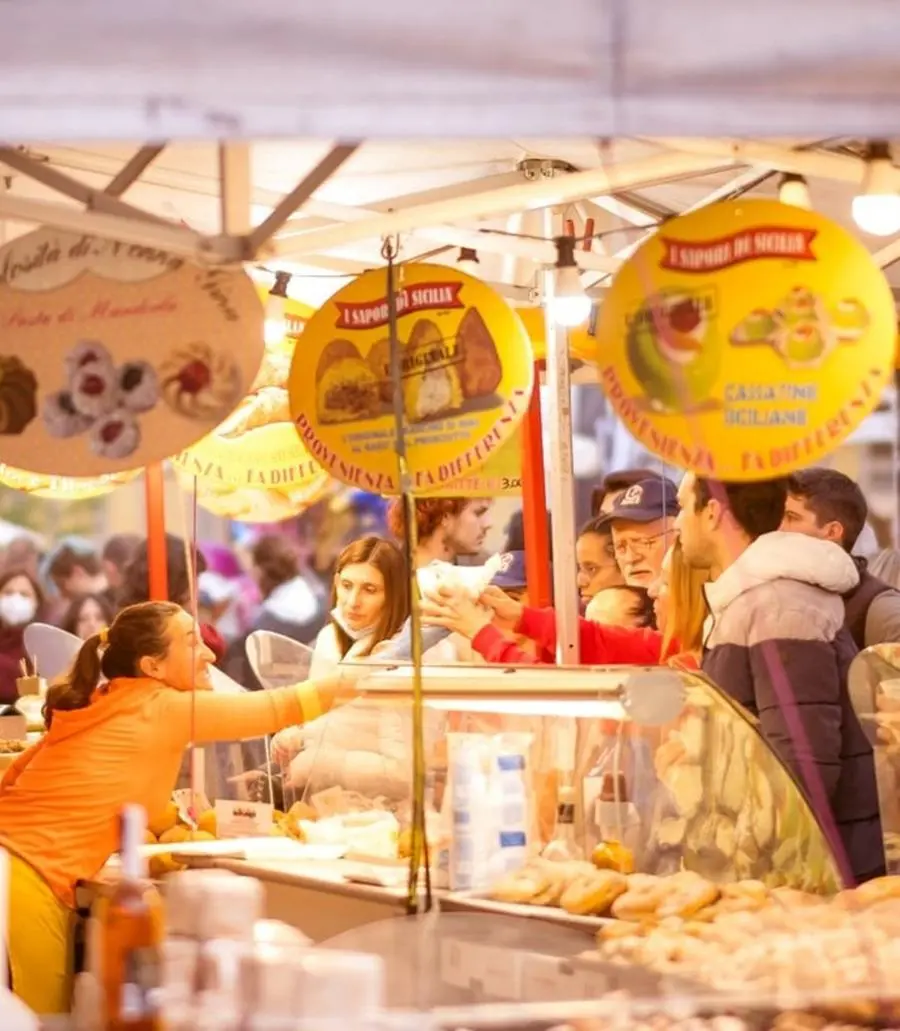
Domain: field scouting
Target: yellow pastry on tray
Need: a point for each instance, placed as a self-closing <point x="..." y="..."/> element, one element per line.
<point x="592" y="894"/>
<point x="611" y="855"/>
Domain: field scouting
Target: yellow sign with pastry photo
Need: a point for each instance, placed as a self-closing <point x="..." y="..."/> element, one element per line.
<point x="113" y="356"/>
<point x="466" y="370"/>
<point x="747" y="339"/>
<point x="257" y="448"/>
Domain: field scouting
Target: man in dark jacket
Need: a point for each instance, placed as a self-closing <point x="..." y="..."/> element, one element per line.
<point x="827" y="504"/>
<point x="777" y="644"/>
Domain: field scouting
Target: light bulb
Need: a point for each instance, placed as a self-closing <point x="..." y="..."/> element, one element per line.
<point x="793" y="190"/>
<point x="570" y="305"/>
<point x="877" y="214"/>
<point x="876" y="208"/>
<point x="570" y="312"/>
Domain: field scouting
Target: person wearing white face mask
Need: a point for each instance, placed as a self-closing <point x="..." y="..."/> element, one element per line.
<point x="364" y="747"/>
<point x="21" y="602"/>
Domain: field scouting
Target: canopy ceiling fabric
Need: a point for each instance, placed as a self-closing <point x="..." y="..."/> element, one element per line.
<point x="102" y="69"/>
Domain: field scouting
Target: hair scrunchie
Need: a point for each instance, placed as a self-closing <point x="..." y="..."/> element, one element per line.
<point x="104" y="636"/>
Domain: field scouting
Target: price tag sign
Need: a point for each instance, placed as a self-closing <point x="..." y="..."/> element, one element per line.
<point x="243" y="819"/>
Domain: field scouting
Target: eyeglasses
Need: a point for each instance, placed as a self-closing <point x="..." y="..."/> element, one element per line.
<point x="638" y="546"/>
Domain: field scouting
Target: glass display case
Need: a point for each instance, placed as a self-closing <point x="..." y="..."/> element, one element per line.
<point x="658" y="760"/>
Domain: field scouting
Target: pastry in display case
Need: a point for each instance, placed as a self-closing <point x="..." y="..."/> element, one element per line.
<point x="692" y="790"/>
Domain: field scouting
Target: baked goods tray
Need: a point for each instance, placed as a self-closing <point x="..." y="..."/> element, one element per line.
<point x="481" y="902"/>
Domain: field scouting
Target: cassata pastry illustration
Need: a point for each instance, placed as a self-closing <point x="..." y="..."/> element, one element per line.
<point x="431" y="385"/>
<point x="804" y="342"/>
<point x="346" y="388"/>
<point x="759" y="327"/>
<point x="849" y="319"/>
<point x="379" y="359"/>
<point x="799" y="305"/>
<point x="199" y="382"/>
<point x="479" y="366"/>
<point x="18" y="395"/>
<point x="138" y="386"/>
<point x="116" y="435"/>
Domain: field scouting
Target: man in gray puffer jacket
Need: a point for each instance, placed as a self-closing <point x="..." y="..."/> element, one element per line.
<point x="776" y="642"/>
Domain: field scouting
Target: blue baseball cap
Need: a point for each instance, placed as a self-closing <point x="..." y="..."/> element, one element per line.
<point x="511" y="575"/>
<point x="645" y="501"/>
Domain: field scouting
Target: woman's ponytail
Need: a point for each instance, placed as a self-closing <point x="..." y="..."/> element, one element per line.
<point x="76" y="690"/>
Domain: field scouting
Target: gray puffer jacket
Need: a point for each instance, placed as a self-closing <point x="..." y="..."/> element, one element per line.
<point x="776" y="642"/>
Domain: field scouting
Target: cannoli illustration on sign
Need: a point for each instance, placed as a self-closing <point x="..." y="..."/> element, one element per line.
<point x="18" y="395"/>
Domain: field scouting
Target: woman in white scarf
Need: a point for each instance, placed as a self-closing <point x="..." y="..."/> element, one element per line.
<point x="363" y="747"/>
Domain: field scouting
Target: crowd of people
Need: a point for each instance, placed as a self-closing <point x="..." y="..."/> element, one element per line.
<point x="754" y="584"/>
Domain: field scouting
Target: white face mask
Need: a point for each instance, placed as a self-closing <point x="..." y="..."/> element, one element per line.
<point x="17" y="609"/>
<point x="354" y="635"/>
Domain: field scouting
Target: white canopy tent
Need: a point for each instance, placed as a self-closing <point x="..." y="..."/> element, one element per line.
<point x="253" y="68"/>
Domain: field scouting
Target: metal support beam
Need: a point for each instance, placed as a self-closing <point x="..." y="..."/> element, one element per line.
<point x="543" y="193"/>
<point x="235" y="189"/>
<point x="59" y="182"/>
<point x="815" y="164"/>
<point x="175" y="239"/>
<point x="887" y="255"/>
<point x="301" y="193"/>
<point x="133" y="169"/>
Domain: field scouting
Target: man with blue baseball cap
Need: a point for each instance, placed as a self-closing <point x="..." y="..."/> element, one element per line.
<point x="642" y="520"/>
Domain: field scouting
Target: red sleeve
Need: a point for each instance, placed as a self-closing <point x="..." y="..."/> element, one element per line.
<point x="213" y="640"/>
<point x="493" y="647"/>
<point x="600" y="644"/>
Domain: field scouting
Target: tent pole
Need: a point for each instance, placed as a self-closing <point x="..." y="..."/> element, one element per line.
<point x="535" y="524"/>
<point x="154" y="497"/>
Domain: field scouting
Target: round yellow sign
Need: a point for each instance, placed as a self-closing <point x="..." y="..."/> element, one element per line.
<point x="63" y="488"/>
<point x="747" y="339"/>
<point x="465" y="381"/>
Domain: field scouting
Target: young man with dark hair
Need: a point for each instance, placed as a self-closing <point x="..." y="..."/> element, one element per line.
<point x="827" y="504"/>
<point x="778" y="646"/>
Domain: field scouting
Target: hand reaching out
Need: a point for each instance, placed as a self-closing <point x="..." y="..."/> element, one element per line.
<point x="456" y="612"/>
<point x="502" y="605"/>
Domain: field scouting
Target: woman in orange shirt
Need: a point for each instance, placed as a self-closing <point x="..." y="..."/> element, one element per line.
<point x="109" y="746"/>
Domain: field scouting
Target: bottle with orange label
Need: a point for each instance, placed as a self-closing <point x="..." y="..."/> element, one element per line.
<point x="129" y="931"/>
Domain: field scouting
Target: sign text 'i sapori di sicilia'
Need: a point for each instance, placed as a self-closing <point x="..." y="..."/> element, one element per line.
<point x="747" y="339"/>
<point x="466" y="377"/>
